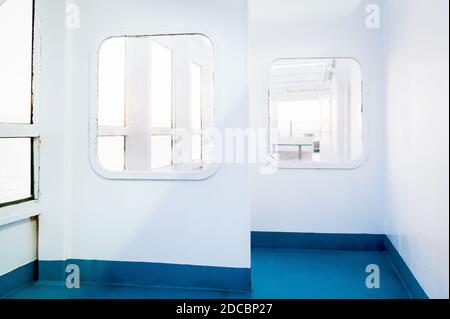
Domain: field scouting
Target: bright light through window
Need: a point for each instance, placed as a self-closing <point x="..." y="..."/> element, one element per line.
<point x="162" y="157"/>
<point x="111" y="111"/>
<point x="15" y="61"/>
<point x="16" y="141"/>
<point x="15" y="169"/>
<point x="316" y="112"/>
<point x="111" y="152"/>
<point x="299" y="117"/>
<point x="196" y="147"/>
<point x="151" y="89"/>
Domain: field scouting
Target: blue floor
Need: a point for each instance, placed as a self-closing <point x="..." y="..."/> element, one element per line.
<point x="276" y="273"/>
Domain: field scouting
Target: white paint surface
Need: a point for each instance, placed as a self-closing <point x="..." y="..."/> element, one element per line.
<point x="18" y="245"/>
<point x="336" y="201"/>
<point x="88" y="217"/>
<point x="418" y="138"/>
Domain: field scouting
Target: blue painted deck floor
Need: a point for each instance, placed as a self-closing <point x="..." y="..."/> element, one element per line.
<point x="276" y="273"/>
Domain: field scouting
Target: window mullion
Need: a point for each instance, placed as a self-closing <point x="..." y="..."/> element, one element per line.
<point x="105" y="131"/>
<point x="18" y="130"/>
<point x="137" y="102"/>
<point x="182" y="153"/>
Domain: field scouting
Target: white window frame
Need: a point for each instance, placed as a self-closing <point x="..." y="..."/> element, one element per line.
<point x="94" y="131"/>
<point x="21" y="209"/>
<point x="350" y="165"/>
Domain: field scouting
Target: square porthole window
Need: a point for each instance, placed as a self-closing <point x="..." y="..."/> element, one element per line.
<point x="316" y="113"/>
<point x="155" y="102"/>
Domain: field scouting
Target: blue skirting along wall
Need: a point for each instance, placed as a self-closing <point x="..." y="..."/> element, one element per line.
<point x="407" y="276"/>
<point x="18" y="278"/>
<point x="150" y="274"/>
<point x="312" y="241"/>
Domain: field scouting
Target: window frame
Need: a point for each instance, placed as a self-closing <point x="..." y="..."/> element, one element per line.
<point x="95" y="131"/>
<point x="350" y="165"/>
<point x="9" y="211"/>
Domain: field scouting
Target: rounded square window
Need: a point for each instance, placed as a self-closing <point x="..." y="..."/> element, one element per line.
<point x="316" y="113"/>
<point x="155" y="102"/>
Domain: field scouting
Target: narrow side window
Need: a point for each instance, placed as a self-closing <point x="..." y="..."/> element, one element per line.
<point x="18" y="131"/>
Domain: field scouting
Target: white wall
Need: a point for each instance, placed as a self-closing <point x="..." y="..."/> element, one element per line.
<point x="418" y="138"/>
<point x="207" y="223"/>
<point x="334" y="201"/>
<point x="88" y="217"/>
<point x="18" y="245"/>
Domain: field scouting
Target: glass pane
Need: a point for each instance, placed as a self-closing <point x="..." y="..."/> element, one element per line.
<point x="316" y="110"/>
<point x="16" y="27"/>
<point x="111" y="95"/>
<point x="161" y="151"/>
<point x="297" y="118"/>
<point x="111" y="152"/>
<point x="161" y="86"/>
<point x="15" y="169"/>
<point x="196" y="147"/>
<point x="196" y="96"/>
<point x="144" y="83"/>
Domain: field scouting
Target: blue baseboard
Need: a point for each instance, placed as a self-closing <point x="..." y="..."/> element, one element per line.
<point x="405" y="273"/>
<point x="150" y="274"/>
<point x="313" y="241"/>
<point x="344" y="242"/>
<point x="18" y="278"/>
<point x="54" y="270"/>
